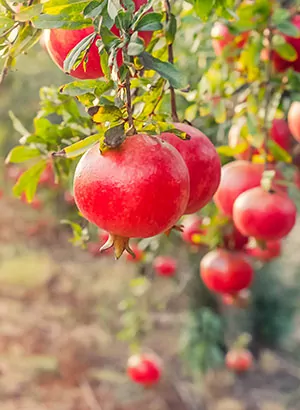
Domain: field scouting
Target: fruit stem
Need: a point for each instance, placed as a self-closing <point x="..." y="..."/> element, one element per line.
<point x="129" y="103"/>
<point x="269" y="37"/>
<point x="171" y="60"/>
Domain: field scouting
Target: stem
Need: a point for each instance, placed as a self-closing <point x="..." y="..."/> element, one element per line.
<point x="4" y="71"/>
<point x="129" y="103"/>
<point x="7" y="6"/>
<point x="171" y="60"/>
<point x="268" y="96"/>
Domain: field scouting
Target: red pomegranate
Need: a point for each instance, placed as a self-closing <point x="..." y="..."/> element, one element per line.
<point x="280" y="133"/>
<point x="202" y="162"/>
<point x="139" y="189"/>
<point x="271" y="251"/>
<point x="279" y="63"/>
<point x="224" y="271"/>
<point x="236" y="178"/>
<point x="192" y="230"/>
<point x="222" y="37"/>
<point x="48" y="177"/>
<point x="294" y="119"/>
<point x="60" y="42"/>
<point x="144" y="369"/>
<point x="264" y="215"/>
<point x="139" y="254"/>
<point x="165" y="265"/>
<point x="239" y="360"/>
<point x="233" y="239"/>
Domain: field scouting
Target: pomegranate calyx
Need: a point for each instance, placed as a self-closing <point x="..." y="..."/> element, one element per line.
<point x="120" y="244"/>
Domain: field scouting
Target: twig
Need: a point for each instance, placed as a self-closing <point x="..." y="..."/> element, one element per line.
<point x="129" y="103"/>
<point x="4" y="71"/>
<point x="89" y="396"/>
<point x="269" y="38"/>
<point x="171" y="60"/>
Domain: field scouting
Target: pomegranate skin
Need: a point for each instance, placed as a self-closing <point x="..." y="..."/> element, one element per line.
<point x="236" y="178"/>
<point x="264" y="215"/>
<point x="59" y="42"/>
<point x="225" y="271"/>
<point x="144" y="369"/>
<point x="280" y="64"/>
<point x="239" y="360"/>
<point x="294" y="120"/>
<point x="234" y="240"/>
<point x="272" y="251"/>
<point x="280" y="133"/>
<point x="202" y="161"/>
<point x="138" y="190"/>
<point x="192" y="228"/>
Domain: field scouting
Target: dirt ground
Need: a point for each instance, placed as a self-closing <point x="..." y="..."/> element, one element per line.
<point x="58" y="322"/>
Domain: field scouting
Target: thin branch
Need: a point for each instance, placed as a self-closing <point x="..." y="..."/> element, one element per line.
<point x="4" y="71"/>
<point x="129" y="103"/>
<point x="171" y="60"/>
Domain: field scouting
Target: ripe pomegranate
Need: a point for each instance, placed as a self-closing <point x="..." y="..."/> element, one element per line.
<point x="279" y="63"/>
<point x="60" y="42"/>
<point x="240" y="300"/>
<point x="294" y="120"/>
<point x="202" y="162"/>
<point x="280" y="133"/>
<point x="139" y="189"/>
<point x="233" y="239"/>
<point x="165" y="265"/>
<point x="144" y="369"/>
<point x="239" y="360"/>
<point x="272" y="250"/>
<point x="225" y="271"/>
<point x="222" y="37"/>
<point x="236" y="178"/>
<point x="192" y="230"/>
<point x="264" y="215"/>
<point x="139" y="254"/>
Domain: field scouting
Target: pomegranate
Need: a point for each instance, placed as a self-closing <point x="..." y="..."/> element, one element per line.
<point x="294" y="119"/>
<point x="165" y="265"/>
<point x="279" y="63"/>
<point x="144" y="369"/>
<point x="139" y="189"/>
<point x="280" y="133"/>
<point x="202" y="162"/>
<point x="225" y="271"/>
<point x="233" y="239"/>
<point x="192" y="230"/>
<point x="222" y="38"/>
<point x="48" y="177"/>
<point x="139" y="254"/>
<point x="236" y="177"/>
<point x="271" y="251"/>
<point x="239" y="360"/>
<point x="60" y="42"/>
<point x="264" y="215"/>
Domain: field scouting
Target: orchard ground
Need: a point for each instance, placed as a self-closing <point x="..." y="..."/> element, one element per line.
<point x="59" y="320"/>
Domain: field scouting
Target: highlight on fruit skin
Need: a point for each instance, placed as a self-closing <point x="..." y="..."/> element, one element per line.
<point x="144" y="368"/>
<point x="137" y="190"/>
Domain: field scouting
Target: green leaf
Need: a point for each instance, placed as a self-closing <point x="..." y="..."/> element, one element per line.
<point x="219" y="111"/>
<point x="76" y="88"/>
<point x="279" y="153"/>
<point x="149" y="22"/>
<point x="284" y="49"/>
<point x="79" y="148"/>
<point x="28" y="13"/>
<point x="135" y="46"/>
<point x="94" y="9"/>
<point x="105" y="113"/>
<point x="279" y="15"/>
<point x="114" y="136"/>
<point x="171" y="28"/>
<point x="18" y="126"/>
<point x="203" y="7"/>
<point x="22" y="153"/>
<point x="165" y="69"/>
<point x="113" y="7"/>
<point x="77" y="54"/>
<point x="288" y="28"/>
<point x="232" y="151"/>
<point x="5" y="24"/>
<point x="29" y="180"/>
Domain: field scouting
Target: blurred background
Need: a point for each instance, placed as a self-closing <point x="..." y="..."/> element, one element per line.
<point x="69" y="316"/>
